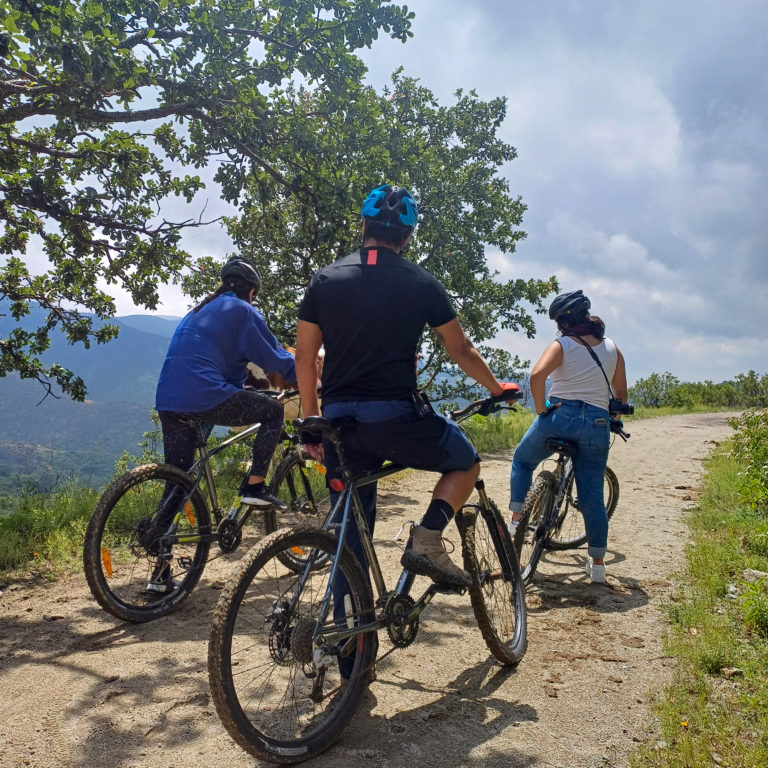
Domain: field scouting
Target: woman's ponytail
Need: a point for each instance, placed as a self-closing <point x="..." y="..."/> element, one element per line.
<point x="210" y="297"/>
<point x="590" y="325"/>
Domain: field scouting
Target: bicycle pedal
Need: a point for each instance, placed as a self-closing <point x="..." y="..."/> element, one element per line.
<point x="448" y="589"/>
<point x="185" y="562"/>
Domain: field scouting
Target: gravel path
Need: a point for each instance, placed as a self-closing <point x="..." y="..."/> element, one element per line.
<point x="82" y="690"/>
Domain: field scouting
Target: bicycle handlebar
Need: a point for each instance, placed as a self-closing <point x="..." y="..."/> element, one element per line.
<point x="617" y="428"/>
<point x="486" y="406"/>
<point x="283" y="394"/>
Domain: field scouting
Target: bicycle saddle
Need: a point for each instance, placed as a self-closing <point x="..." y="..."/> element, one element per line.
<point x="565" y="447"/>
<point x="317" y="424"/>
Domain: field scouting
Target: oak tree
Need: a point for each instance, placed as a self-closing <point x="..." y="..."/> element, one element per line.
<point x="105" y="105"/>
<point x="449" y="156"/>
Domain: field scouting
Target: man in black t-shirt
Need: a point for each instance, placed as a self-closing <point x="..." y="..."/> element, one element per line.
<point x="369" y="310"/>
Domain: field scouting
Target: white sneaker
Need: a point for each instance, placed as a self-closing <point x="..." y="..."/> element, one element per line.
<point x="595" y="572"/>
<point x="513" y="526"/>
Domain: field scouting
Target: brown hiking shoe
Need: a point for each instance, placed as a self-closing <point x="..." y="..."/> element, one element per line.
<point x="426" y="555"/>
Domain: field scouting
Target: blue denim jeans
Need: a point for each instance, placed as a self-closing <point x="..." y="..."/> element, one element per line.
<point x="589" y="427"/>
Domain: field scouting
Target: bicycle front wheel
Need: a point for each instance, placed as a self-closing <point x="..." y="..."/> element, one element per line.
<point x="531" y="533"/>
<point x="280" y="695"/>
<point x="122" y="544"/>
<point x="496" y="592"/>
<point x="301" y="486"/>
<point x="569" y="532"/>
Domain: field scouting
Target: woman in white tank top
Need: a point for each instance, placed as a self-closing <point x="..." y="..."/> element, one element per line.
<point x="577" y="411"/>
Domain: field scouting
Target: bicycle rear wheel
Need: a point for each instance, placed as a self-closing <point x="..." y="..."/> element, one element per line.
<point x="530" y="535"/>
<point x="280" y="697"/>
<point x="496" y="592"/>
<point x="302" y="487"/>
<point x="569" y="531"/>
<point x="122" y="546"/>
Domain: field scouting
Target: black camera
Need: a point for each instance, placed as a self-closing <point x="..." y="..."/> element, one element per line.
<point x="615" y="406"/>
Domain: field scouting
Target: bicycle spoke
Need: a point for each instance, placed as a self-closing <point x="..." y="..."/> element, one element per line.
<point x="496" y="591"/>
<point x="262" y="660"/>
<point x="126" y="548"/>
<point x="531" y="533"/>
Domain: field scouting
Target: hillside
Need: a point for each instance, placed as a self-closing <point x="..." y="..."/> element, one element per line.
<point x="42" y="441"/>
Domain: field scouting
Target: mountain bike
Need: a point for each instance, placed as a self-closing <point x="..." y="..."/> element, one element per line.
<point x="278" y="634"/>
<point x="551" y="516"/>
<point x="123" y="542"/>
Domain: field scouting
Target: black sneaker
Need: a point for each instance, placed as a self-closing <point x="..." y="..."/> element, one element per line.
<point x="161" y="581"/>
<point x="258" y="495"/>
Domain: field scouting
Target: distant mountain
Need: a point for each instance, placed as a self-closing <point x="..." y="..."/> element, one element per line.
<point x="158" y="325"/>
<point x="123" y="370"/>
<point x="120" y="376"/>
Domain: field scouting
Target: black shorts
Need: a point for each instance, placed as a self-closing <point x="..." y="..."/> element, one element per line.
<point x="430" y="442"/>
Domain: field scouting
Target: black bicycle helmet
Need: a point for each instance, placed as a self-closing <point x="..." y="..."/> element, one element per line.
<point x="240" y="269"/>
<point x="392" y="207"/>
<point x="572" y="306"/>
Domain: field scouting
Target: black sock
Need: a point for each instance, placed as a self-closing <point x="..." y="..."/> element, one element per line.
<point x="439" y="513"/>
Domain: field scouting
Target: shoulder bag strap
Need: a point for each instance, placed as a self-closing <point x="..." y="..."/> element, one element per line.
<point x="595" y="358"/>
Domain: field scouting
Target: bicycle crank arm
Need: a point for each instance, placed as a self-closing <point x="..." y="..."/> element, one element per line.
<point x="426" y="598"/>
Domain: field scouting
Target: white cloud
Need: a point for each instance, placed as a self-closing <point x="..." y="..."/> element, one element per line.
<point x="604" y="119"/>
<point x="641" y="137"/>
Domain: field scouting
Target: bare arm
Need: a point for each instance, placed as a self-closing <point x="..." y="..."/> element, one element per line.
<point x="619" y="380"/>
<point x="309" y="339"/>
<point x="461" y="350"/>
<point x="551" y="358"/>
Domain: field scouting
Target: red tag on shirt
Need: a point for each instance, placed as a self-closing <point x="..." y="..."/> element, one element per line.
<point x="372" y="256"/>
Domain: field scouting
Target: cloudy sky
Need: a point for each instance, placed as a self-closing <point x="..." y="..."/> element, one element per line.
<point x="641" y="134"/>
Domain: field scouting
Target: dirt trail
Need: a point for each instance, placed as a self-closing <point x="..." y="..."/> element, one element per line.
<point x="82" y="690"/>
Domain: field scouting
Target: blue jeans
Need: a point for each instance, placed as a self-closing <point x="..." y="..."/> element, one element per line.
<point x="589" y="427"/>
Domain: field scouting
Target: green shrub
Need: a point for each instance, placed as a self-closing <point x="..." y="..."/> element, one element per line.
<point x="750" y="449"/>
<point x="755" y="604"/>
<point x="498" y="433"/>
<point x="46" y="528"/>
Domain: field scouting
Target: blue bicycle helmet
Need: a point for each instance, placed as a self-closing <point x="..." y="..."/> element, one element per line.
<point x="391" y="206"/>
<point x="571" y="306"/>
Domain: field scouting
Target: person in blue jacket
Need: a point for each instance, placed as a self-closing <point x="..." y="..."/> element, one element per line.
<point x="203" y="377"/>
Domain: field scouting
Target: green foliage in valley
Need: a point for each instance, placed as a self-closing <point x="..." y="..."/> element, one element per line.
<point x="660" y="390"/>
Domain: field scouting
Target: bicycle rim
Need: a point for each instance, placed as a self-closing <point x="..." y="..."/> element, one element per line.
<point x="303" y="489"/>
<point x="570" y="531"/>
<point x="530" y="535"/>
<point x="496" y="592"/>
<point x="120" y="552"/>
<point x="271" y="697"/>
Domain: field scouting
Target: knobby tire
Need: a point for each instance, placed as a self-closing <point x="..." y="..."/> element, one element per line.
<point x="301" y="486"/>
<point x="260" y="654"/>
<point x="569" y="532"/>
<point x="117" y="553"/>
<point x="496" y="593"/>
<point x="530" y="535"/>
